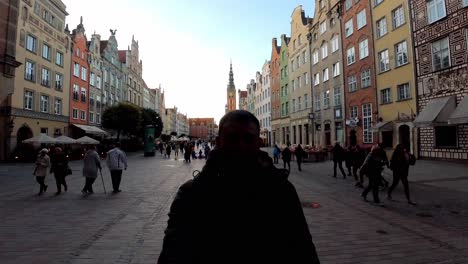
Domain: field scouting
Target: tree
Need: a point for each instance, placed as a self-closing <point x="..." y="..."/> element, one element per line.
<point x="124" y="118"/>
<point x="150" y="117"/>
<point x="173" y="133"/>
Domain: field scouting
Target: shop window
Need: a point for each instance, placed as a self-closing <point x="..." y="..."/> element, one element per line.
<point x="387" y="139"/>
<point x="445" y="136"/>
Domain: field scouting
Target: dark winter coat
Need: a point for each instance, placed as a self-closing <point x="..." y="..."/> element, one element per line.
<point x="299" y="152"/>
<point x="338" y="153"/>
<point x="59" y="163"/>
<point x="400" y="164"/>
<point x="286" y="154"/>
<point x="237" y="214"/>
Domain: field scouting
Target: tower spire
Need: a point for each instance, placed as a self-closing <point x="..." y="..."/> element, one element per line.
<point x="231" y="75"/>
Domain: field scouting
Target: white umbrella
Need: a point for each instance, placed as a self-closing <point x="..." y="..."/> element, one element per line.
<point x="87" y="141"/>
<point x="65" y="140"/>
<point x="41" y="139"/>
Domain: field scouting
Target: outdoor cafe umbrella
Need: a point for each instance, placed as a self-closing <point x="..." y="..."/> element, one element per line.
<point x="41" y="139"/>
<point x="65" y="140"/>
<point x="87" y="141"/>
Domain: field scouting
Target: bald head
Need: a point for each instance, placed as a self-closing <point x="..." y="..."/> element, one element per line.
<point x="239" y="132"/>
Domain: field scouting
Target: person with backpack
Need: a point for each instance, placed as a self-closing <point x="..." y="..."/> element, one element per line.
<point x="286" y="154"/>
<point x="399" y="164"/>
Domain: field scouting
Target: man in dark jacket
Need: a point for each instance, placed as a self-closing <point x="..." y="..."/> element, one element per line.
<point x="338" y="157"/>
<point x="286" y="155"/>
<point x="240" y="208"/>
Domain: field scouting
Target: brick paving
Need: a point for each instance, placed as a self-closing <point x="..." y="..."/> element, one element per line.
<point x="128" y="227"/>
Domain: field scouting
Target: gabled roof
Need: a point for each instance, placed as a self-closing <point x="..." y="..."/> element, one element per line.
<point x="103" y="45"/>
<point x="243" y="94"/>
<point x="123" y="56"/>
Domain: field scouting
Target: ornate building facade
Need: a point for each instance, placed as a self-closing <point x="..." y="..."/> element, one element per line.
<point x="112" y="71"/>
<point x="284" y="124"/>
<point x="275" y="90"/>
<point x="95" y="80"/>
<point x="242" y="99"/>
<point x="327" y="74"/>
<point x="440" y="37"/>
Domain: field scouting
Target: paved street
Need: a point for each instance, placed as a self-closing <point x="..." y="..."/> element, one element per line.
<point x="128" y="227"/>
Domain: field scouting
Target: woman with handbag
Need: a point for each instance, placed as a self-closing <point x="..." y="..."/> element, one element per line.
<point x="60" y="169"/>
<point x="399" y="164"/>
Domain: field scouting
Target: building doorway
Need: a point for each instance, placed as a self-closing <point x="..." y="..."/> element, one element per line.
<point x="23" y="133"/>
<point x="306" y="128"/>
<point x="404" y="136"/>
<point x="300" y="134"/>
<point x="327" y="131"/>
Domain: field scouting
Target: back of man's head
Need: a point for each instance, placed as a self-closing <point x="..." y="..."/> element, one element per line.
<point x="118" y="145"/>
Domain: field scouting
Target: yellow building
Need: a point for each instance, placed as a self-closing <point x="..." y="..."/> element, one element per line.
<point x="395" y="70"/>
<point x="39" y="102"/>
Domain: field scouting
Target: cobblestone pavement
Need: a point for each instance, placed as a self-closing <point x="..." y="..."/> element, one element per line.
<point x="128" y="227"/>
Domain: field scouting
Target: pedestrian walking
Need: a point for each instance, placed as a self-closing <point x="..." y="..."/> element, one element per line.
<point x="399" y="164"/>
<point x="176" y="151"/>
<point x="91" y="165"/>
<point x="116" y="162"/>
<point x="161" y="147"/>
<point x="60" y="169"/>
<point x="358" y="157"/>
<point x="373" y="165"/>
<point x="348" y="159"/>
<point x="216" y="214"/>
<point x="187" y="152"/>
<point x="286" y="155"/>
<point x="168" y="151"/>
<point x="300" y="153"/>
<point x="276" y="154"/>
<point x="207" y="151"/>
<point x="338" y="157"/>
<point x="41" y="170"/>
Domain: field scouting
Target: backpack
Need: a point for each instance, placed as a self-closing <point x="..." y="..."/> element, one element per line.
<point x="412" y="160"/>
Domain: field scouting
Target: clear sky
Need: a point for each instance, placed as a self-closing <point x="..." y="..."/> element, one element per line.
<point x="186" y="45"/>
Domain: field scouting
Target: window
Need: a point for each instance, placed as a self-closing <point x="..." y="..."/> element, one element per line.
<point x="315" y="57"/>
<point x="384" y="61"/>
<point x="381" y="27"/>
<point x="84" y="73"/>
<point x="337" y="96"/>
<point x="317" y="79"/>
<point x="78" y="52"/>
<point x="325" y="75"/>
<point x="299" y="39"/>
<point x="350" y="56"/>
<point x="363" y="49"/>
<point x="76" y="69"/>
<point x="59" y="58"/>
<point x="324" y="50"/>
<point x="361" y="19"/>
<point x="46" y="51"/>
<point x="366" y="78"/>
<point x="83" y="94"/>
<point x="401" y="51"/>
<point x="293" y="105"/>
<point x="336" y="69"/>
<point x="398" y="17"/>
<point x="352" y="83"/>
<point x="353" y="113"/>
<point x="446" y="136"/>
<point x="297" y="64"/>
<point x="378" y="2"/>
<point x="326" y="99"/>
<point x="82" y="115"/>
<point x="367" y="135"/>
<point x="98" y="101"/>
<point x="31" y="43"/>
<point x="98" y="82"/>
<point x="299" y="82"/>
<point x="92" y="79"/>
<point x="435" y="10"/>
<point x="293" y="85"/>
<point x="44" y="103"/>
<point x="91" y="117"/>
<point x="28" y="100"/>
<point x="75" y="92"/>
<point x="317" y="102"/>
<point x="335" y="43"/>
<point x="292" y="66"/>
<point x="58" y="106"/>
<point x="91" y="100"/>
<point x="441" y="54"/>
<point x="306" y="78"/>
<point x="332" y="22"/>
<point x="349" y="28"/>
<point x="323" y="27"/>
<point x="58" y="81"/>
<point x="30" y="71"/>
<point x="98" y="118"/>
<point x="304" y="57"/>
<point x="403" y="91"/>
<point x="321" y="4"/>
<point x="348" y="4"/>
<point x="44" y="130"/>
<point x="306" y="101"/>
<point x="385" y="96"/>
<point x="45" y="77"/>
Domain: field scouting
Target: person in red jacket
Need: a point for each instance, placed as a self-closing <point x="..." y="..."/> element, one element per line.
<point x="240" y="208"/>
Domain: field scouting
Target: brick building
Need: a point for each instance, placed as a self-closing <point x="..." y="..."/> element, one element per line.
<point x="440" y="38"/>
<point x="359" y="72"/>
<point x="202" y="128"/>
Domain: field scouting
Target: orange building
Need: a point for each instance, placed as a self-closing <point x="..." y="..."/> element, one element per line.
<point x="203" y="128"/>
<point x="79" y="87"/>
